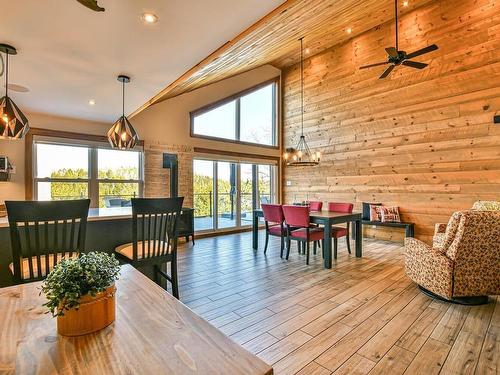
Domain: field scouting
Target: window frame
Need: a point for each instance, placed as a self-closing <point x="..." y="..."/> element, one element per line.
<point x="237" y="98"/>
<point x="93" y="143"/>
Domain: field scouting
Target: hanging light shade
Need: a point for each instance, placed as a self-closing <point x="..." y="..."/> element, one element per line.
<point x="301" y="155"/>
<point x="122" y="134"/>
<point x="13" y="123"/>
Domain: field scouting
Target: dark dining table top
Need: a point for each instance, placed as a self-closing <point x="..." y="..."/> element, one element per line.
<point x="329" y="214"/>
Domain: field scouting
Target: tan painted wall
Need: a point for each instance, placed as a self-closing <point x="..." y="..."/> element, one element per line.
<point x="165" y="127"/>
<point x="422" y="140"/>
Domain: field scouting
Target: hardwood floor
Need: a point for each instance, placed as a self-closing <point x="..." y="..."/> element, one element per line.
<point x="363" y="316"/>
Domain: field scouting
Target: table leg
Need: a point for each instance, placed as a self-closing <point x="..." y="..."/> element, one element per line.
<point x="359" y="238"/>
<point x="255" y="231"/>
<point x="328" y="245"/>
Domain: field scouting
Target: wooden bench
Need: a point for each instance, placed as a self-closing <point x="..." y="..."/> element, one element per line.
<point x="409" y="227"/>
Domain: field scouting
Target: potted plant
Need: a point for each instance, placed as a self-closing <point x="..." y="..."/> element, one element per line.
<point x="81" y="293"/>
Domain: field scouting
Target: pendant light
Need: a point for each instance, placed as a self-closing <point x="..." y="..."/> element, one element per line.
<point x="13" y="123"/>
<point x="301" y="155"/>
<point x="122" y="134"/>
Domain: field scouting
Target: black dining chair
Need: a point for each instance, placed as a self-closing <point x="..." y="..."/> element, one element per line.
<point x="154" y="237"/>
<point x="43" y="233"/>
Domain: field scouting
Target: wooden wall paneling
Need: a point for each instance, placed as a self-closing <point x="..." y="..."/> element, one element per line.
<point x="422" y="140"/>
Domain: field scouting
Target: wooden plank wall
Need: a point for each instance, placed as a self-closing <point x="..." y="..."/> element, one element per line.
<point x="422" y="140"/>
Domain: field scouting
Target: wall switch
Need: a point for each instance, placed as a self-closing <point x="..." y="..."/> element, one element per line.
<point x="496" y="119"/>
<point x="288" y="183"/>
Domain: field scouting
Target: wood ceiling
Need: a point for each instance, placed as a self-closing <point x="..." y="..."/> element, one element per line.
<point x="273" y="39"/>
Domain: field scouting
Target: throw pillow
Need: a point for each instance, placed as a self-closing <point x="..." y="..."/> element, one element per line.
<point x="366" y="209"/>
<point x="389" y="214"/>
<point x="486" y="206"/>
<point x="375" y="212"/>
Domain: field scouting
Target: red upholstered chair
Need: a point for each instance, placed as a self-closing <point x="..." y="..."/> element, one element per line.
<point x="338" y="232"/>
<point x="273" y="216"/>
<point x="299" y="229"/>
<point x="315" y="206"/>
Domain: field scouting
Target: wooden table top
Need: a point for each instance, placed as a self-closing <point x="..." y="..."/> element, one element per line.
<point x="326" y="214"/>
<point x="153" y="334"/>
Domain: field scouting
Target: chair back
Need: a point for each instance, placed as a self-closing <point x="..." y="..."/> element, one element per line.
<point x="42" y="233"/>
<point x="340" y="207"/>
<point x="315" y="206"/>
<point x="273" y="213"/>
<point x="155" y="227"/>
<point x="297" y="216"/>
<point x="472" y="242"/>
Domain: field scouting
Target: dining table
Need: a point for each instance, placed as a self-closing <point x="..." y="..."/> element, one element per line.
<point x="153" y="333"/>
<point x="327" y="219"/>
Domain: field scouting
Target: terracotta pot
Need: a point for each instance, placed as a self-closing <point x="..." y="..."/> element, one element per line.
<point x="94" y="314"/>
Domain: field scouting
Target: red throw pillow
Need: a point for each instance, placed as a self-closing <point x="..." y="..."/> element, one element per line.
<point x="389" y="214"/>
<point x="375" y="212"/>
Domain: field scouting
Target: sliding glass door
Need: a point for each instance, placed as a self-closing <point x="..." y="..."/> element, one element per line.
<point x="226" y="193"/>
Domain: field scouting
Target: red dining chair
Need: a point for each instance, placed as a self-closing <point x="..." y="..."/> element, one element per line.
<point x="338" y="232"/>
<point x="298" y="217"/>
<point x="273" y="217"/>
<point x="315" y="206"/>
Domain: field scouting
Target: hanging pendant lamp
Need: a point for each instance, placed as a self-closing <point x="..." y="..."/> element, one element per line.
<point x="122" y="134"/>
<point x="13" y="123"/>
<point x="301" y="155"/>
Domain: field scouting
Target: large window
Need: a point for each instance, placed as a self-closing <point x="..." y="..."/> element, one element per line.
<point x="71" y="171"/>
<point x="248" y="117"/>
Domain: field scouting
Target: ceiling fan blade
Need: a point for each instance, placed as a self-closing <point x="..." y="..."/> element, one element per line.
<point x="91" y="4"/>
<point x="422" y="51"/>
<point x="372" y="65"/>
<point x="387" y="71"/>
<point x="393" y="52"/>
<point x="414" y="64"/>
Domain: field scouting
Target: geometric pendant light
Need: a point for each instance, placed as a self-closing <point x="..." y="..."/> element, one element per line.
<point x="13" y="123"/>
<point x="301" y="155"/>
<point x="122" y="134"/>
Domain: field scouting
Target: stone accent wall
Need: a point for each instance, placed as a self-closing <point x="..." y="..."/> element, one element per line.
<point x="157" y="179"/>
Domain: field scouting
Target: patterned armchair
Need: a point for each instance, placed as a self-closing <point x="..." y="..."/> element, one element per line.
<point x="464" y="260"/>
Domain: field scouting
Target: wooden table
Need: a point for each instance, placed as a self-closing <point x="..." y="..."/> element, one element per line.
<point x="327" y="219"/>
<point x="153" y="334"/>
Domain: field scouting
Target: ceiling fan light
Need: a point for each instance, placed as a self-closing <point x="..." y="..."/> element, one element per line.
<point x="14" y="124"/>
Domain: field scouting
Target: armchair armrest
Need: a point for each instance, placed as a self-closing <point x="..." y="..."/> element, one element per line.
<point x="440" y="228"/>
<point x="429" y="267"/>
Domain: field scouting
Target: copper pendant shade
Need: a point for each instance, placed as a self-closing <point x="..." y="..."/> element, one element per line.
<point x="122" y="134"/>
<point x="13" y="122"/>
<point x="301" y="155"/>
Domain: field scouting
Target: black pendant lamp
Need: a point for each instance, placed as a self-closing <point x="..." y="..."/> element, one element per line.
<point x="13" y="123"/>
<point x="122" y="134"/>
<point x="301" y="155"/>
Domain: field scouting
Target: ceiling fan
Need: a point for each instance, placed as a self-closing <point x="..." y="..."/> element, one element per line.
<point x="397" y="57"/>
<point x="91" y="4"/>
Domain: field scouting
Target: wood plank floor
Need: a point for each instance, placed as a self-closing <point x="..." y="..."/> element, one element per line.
<point x="364" y="316"/>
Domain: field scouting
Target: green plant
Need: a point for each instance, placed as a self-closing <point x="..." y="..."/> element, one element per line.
<point x="73" y="278"/>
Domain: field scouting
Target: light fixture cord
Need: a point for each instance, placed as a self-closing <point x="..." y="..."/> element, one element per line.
<point x="302" y="82"/>
<point x="396" y="11"/>
<point x="6" y="74"/>
<point x="123" y="98"/>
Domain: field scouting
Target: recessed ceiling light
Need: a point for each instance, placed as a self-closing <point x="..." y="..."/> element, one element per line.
<point x="149" y="18"/>
<point x="92" y="102"/>
<point x="405" y="3"/>
<point x="348" y="30"/>
<point x="308" y="51"/>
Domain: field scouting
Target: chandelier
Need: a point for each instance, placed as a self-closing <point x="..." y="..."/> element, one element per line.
<point x="301" y="155"/>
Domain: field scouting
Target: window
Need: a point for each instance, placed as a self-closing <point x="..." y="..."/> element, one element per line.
<point x="73" y="171"/>
<point x="226" y="193"/>
<point x="248" y="117"/>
